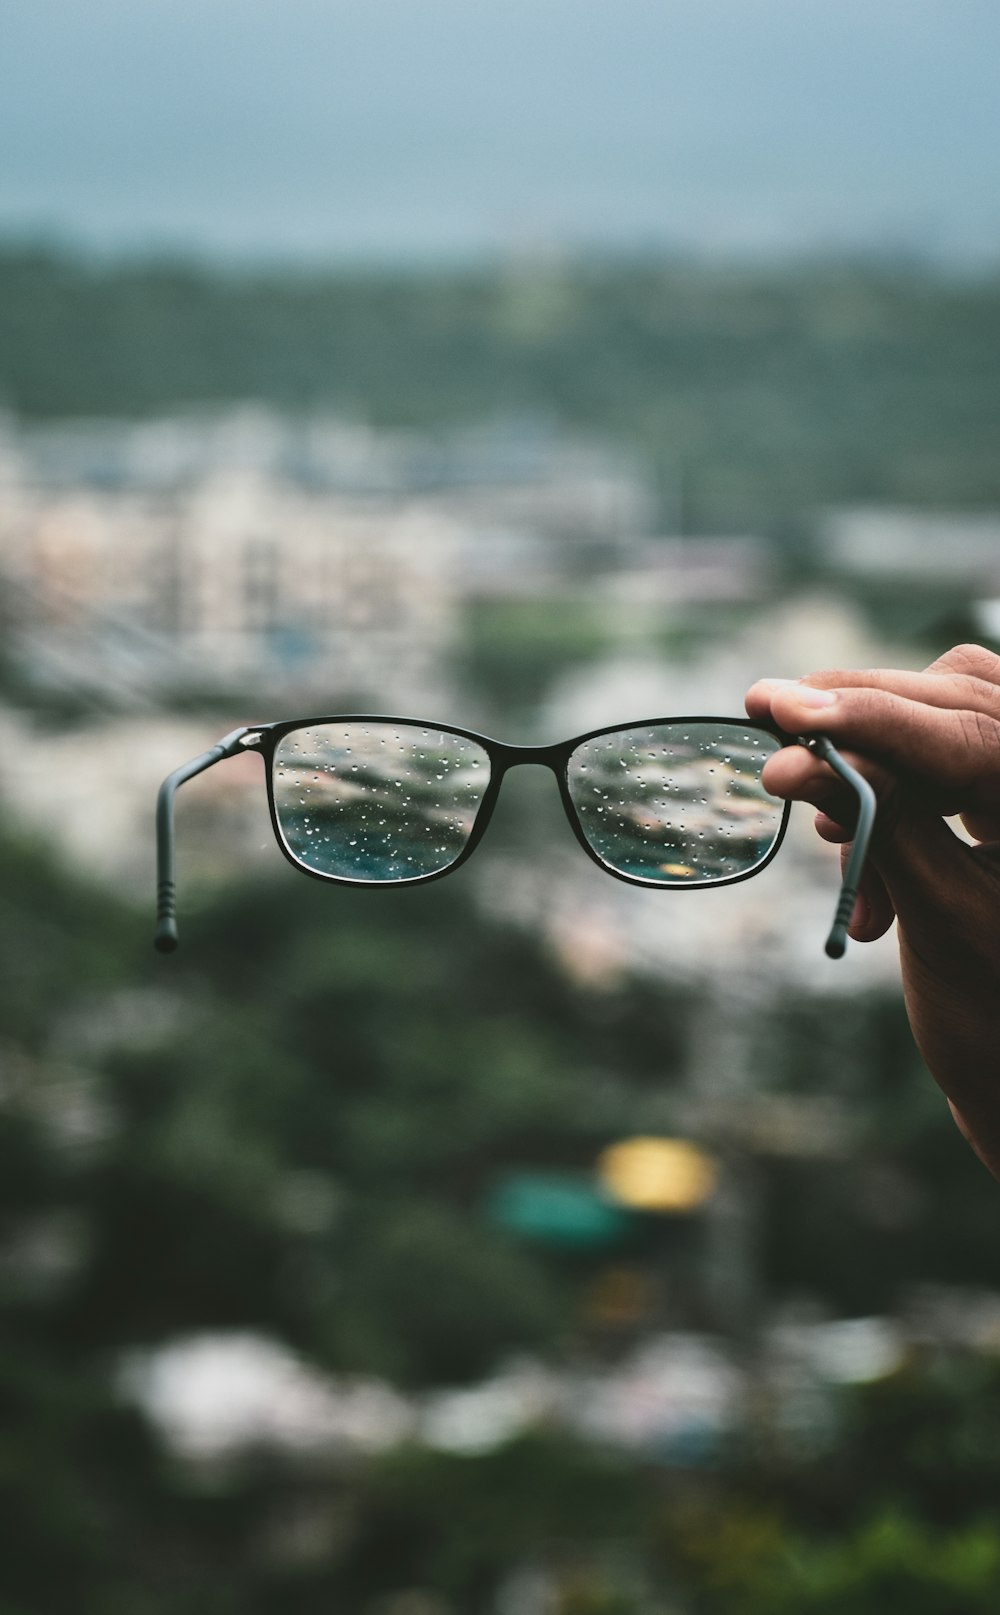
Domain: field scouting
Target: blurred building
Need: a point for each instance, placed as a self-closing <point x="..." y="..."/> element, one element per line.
<point x="255" y="551"/>
<point x="948" y="552"/>
<point x="256" y="562"/>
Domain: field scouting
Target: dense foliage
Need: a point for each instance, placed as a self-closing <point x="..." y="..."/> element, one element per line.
<point x="757" y="395"/>
<point x="291" y="1127"/>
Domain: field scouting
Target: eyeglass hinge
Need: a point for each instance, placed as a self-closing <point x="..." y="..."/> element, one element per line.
<point x="250" y="740"/>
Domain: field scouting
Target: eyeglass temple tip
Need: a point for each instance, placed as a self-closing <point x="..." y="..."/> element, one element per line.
<point x="836" y="942"/>
<point x="166" y="939"/>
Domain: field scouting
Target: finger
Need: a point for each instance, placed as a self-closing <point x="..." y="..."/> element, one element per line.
<point x="831" y="829"/>
<point x="934" y="689"/>
<point x="974" y="661"/>
<point x="758" y="697"/>
<point x="902" y="836"/>
<point x="916" y="867"/>
<point x="983" y="827"/>
<point x="874" y="910"/>
<point x="798" y="775"/>
<point x="954" y="752"/>
<point x="795" y="774"/>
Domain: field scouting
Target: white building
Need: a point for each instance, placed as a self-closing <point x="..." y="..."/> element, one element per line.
<point x="885" y="544"/>
<point x="246" y="550"/>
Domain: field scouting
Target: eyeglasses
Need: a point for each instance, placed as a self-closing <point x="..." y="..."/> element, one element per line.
<point x="375" y="801"/>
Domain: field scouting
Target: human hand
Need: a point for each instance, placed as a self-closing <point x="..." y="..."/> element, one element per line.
<point x="929" y="743"/>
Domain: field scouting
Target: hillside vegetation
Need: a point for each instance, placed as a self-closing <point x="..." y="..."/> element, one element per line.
<point x="761" y="394"/>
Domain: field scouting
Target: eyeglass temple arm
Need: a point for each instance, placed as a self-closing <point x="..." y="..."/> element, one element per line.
<point x="836" y="942"/>
<point x="166" y="938"/>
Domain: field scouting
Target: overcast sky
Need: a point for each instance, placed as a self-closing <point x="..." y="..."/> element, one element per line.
<point x="434" y="128"/>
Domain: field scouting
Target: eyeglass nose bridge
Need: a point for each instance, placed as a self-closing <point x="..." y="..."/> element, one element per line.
<point x="555" y="758"/>
<point x="505" y="756"/>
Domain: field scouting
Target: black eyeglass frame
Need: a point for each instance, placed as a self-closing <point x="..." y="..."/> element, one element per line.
<point x="264" y="738"/>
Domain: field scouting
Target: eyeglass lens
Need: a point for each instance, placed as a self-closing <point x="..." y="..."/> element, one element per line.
<point x="377" y="802"/>
<point x="677" y="804"/>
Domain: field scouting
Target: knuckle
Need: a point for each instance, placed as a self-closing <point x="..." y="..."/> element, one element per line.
<point x="867" y="704"/>
<point x="983" y="692"/>
<point x="980" y="734"/>
<point x="974" y="661"/>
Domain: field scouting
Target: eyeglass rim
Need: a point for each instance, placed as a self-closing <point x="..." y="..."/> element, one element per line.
<point x="264" y="738"/>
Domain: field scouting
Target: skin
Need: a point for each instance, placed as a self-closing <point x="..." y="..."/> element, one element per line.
<point x="929" y="743"/>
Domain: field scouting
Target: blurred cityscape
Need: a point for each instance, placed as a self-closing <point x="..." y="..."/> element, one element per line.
<point x="321" y="1290"/>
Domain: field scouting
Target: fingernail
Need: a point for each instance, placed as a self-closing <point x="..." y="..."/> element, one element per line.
<point x="775" y="683"/>
<point x="809" y="697"/>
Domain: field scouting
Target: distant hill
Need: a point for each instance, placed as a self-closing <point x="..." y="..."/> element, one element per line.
<point x="761" y="394"/>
